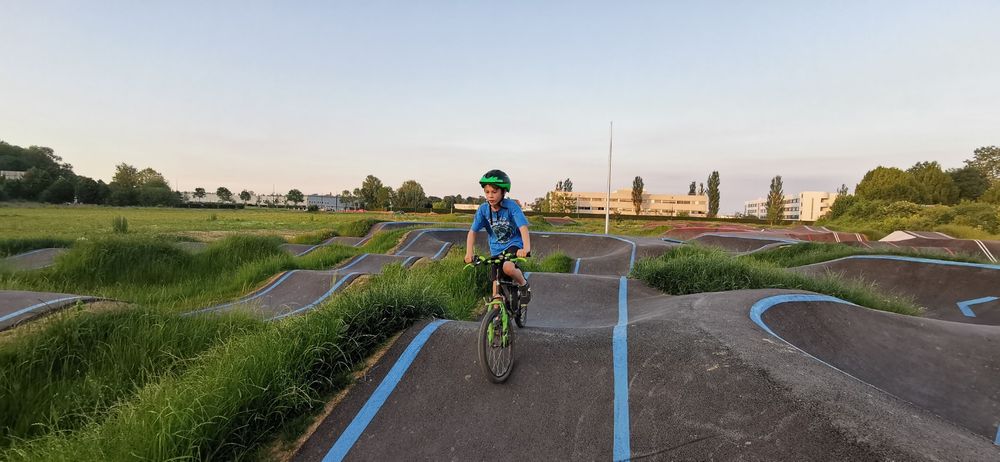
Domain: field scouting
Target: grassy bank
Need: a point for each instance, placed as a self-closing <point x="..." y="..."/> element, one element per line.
<point x="71" y="369"/>
<point x="692" y="269"/>
<point x="154" y="272"/>
<point x="91" y="222"/>
<point x="228" y="400"/>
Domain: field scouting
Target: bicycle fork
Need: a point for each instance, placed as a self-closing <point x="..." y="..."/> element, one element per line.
<point x="504" y="322"/>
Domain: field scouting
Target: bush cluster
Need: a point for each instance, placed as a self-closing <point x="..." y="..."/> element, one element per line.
<point x="879" y="217"/>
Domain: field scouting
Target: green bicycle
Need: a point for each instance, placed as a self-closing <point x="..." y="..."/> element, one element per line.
<point x="496" y="333"/>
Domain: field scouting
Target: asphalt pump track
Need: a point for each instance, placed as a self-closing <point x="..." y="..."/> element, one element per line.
<point x="608" y="368"/>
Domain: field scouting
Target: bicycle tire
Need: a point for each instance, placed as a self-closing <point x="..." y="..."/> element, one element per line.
<point x="520" y="314"/>
<point x="492" y="354"/>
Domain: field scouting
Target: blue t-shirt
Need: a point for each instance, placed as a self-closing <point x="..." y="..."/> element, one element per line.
<point x="502" y="226"/>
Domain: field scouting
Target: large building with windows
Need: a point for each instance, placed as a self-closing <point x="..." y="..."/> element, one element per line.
<point x="668" y="205"/>
<point x="806" y="206"/>
<point x="329" y="202"/>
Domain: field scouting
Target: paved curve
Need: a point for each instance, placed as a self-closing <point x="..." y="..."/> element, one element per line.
<point x="938" y="286"/>
<point x="703" y="382"/>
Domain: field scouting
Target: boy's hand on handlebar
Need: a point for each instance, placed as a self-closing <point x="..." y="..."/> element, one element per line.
<point x="468" y="257"/>
<point x="523" y="253"/>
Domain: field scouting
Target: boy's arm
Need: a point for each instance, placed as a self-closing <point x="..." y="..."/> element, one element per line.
<point x="470" y="245"/>
<point x="526" y="237"/>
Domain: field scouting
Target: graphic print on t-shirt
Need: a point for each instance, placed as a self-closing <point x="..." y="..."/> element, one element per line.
<point x="503" y="230"/>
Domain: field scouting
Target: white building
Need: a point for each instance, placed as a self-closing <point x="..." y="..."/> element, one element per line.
<point x="261" y="200"/>
<point x="328" y="202"/>
<point x="621" y="202"/>
<point x="806" y="206"/>
<point x="11" y="175"/>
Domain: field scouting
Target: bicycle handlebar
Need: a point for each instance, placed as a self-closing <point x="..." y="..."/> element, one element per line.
<point x="479" y="260"/>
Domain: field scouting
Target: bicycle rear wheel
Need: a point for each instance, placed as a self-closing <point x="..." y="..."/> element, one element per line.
<point x="496" y="345"/>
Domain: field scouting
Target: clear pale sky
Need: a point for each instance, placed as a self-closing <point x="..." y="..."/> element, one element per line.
<point x="316" y="95"/>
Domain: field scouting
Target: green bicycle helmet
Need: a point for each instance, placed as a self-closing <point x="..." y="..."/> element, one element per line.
<point x="496" y="178"/>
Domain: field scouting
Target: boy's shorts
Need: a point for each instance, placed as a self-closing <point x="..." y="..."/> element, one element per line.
<point x="496" y="271"/>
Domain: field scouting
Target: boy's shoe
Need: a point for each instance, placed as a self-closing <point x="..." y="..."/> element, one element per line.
<point x="524" y="293"/>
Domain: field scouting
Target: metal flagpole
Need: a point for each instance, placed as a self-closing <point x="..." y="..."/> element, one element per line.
<point x="607" y="199"/>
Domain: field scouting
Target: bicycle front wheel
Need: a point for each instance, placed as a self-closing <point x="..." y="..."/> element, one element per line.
<point x="496" y="345"/>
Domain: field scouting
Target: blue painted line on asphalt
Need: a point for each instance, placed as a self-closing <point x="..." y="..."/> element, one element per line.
<point x="670" y="239"/>
<point x="918" y="260"/>
<point x="761" y="306"/>
<point x="371" y="407"/>
<point x="246" y="299"/>
<point x="622" y="438"/>
<point x="966" y="306"/>
<point x="631" y="262"/>
<point x="758" y="309"/>
<point x="407" y="261"/>
<point x="308" y="250"/>
<point x="318" y="300"/>
<point x="355" y="262"/>
<point x="37" y="306"/>
<point x="412" y="241"/>
<point x="438" y="254"/>
<point x="576" y="269"/>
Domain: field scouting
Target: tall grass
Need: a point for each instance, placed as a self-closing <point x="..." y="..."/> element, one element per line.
<point x="152" y="271"/>
<point x="230" y="399"/>
<point x="807" y="253"/>
<point x="691" y="269"/>
<point x="77" y="365"/>
<point x="557" y="262"/>
<point x="315" y="237"/>
<point x="356" y="228"/>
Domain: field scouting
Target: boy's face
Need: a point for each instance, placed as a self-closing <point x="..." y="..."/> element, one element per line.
<point x="493" y="194"/>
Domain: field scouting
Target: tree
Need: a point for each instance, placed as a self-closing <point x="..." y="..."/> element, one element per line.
<point x="225" y="195"/>
<point x="559" y="186"/>
<point x="199" y="193"/>
<point x="382" y="197"/>
<point x="87" y="191"/>
<point x="987" y="160"/>
<point x="126" y="176"/>
<point x="410" y="195"/>
<point x="148" y="175"/>
<point x="713" y="194"/>
<point x="157" y="193"/>
<point x="937" y="187"/>
<point x="567" y="185"/>
<point x="692" y="188"/>
<point x="34" y="182"/>
<point x="369" y="191"/>
<point x="59" y="192"/>
<point x="637" y="187"/>
<point x="701" y="189"/>
<point x="891" y="184"/>
<point x="842" y="190"/>
<point x="560" y="202"/>
<point x="970" y="181"/>
<point x="992" y="195"/>
<point x="245" y="196"/>
<point x="775" y="201"/>
<point x="295" y="197"/>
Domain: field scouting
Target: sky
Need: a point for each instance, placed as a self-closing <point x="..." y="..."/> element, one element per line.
<point x="316" y="95"/>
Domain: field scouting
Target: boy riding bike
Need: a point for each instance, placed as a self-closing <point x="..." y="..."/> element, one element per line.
<point x="507" y="228"/>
